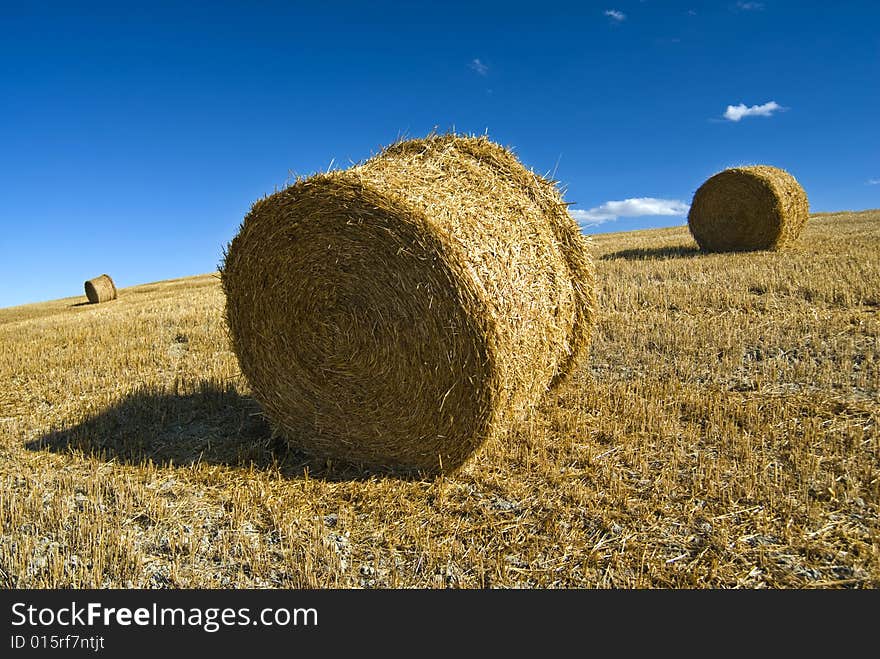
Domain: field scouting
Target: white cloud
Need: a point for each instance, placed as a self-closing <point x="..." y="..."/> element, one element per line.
<point x="615" y="15"/>
<point x="750" y="6"/>
<point x="479" y="67"/>
<point x="874" y="181"/>
<point x="637" y="207"/>
<point x="737" y="112"/>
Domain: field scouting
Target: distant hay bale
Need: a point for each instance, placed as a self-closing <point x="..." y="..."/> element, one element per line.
<point x="100" y="289"/>
<point x="401" y="312"/>
<point x="748" y="208"/>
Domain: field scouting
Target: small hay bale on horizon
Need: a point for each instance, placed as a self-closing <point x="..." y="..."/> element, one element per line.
<point x="400" y="313"/>
<point x="100" y="289"/>
<point x="756" y="207"/>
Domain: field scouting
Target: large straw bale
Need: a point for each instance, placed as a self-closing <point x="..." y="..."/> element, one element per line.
<point x="748" y="208"/>
<point x="100" y="289"/>
<point x="402" y="312"/>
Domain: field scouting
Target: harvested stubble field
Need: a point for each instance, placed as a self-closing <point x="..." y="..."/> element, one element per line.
<point x="722" y="433"/>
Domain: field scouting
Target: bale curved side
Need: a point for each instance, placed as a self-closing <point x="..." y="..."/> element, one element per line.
<point x="400" y="313"/>
<point x="748" y="208"/>
<point x="568" y="249"/>
<point x="100" y="289"/>
<point x="573" y="245"/>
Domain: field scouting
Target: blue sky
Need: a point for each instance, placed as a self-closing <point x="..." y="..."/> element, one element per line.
<point x="134" y="137"/>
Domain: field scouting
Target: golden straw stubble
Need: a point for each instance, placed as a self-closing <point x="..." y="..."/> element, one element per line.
<point x="100" y="289"/>
<point x="758" y="207"/>
<point x="400" y="313"/>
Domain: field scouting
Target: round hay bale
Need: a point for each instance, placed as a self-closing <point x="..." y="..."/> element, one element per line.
<point x="748" y="208"/>
<point x="100" y="289"/>
<point x="400" y="313"/>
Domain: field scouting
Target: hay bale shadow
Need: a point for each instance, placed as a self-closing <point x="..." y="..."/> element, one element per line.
<point x="81" y="304"/>
<point x="649" y="253"/>
<point x="212" y="424"/>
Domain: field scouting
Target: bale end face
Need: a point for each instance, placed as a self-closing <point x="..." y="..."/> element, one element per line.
<point x="354" y="331"/>
<point x="748" y="208"/>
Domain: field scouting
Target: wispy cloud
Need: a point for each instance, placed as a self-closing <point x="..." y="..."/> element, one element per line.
<point x="636" y="207"/>
<point x="737" y="112"/>
<point x="750" y="6"/>
<point x="615" y="15"/>
<point x="479" y="67"/>
<point x="874" y="181"/>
